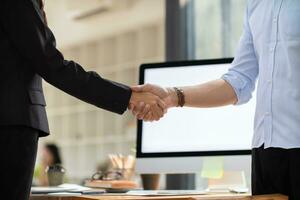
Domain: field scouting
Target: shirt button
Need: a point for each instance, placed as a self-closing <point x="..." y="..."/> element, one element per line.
<point x="275" y="20"/>
<point x="272" y="49"/>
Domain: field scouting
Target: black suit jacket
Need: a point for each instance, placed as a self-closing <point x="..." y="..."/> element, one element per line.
<point x="27" y="54"/>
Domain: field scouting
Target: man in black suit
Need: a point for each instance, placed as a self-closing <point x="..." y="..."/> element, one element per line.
<point x="27" y="54"/>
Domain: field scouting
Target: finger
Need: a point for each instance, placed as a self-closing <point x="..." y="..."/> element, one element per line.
<point x="142" y="106"/>
<point x="144" y="112"/>
<point x="137" y="88"/>
<point x="157" y="112"/>
<point x="161" y="109"/>
<point x="142" y="88"/>
<point x="148" y="116"/>
<point x="162" y="105"/>
<point x="136" y="109"/>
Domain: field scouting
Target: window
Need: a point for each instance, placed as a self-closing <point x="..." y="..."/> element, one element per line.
<point x="214" y="27"/>
<point x="202" y="29"/>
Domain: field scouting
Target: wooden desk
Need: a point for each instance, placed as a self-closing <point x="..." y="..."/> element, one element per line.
<point x="194" y="197"/>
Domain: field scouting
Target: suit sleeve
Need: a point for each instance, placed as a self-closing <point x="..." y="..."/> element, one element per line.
<point x="35" y="42"/>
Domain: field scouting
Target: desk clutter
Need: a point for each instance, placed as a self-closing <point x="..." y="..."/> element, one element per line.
<point x="75" y="190"/>
<point x="117" y="179"/>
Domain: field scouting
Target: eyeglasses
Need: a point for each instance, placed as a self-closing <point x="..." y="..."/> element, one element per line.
<point x="108" y="175"/>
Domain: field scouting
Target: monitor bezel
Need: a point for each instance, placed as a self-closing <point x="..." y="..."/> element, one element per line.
<point x="139" y="153"/>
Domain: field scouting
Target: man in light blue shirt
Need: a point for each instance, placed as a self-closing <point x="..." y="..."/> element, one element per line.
<point x="269" y="50"/>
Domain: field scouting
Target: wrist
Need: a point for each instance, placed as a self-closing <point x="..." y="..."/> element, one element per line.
<point x="133" y="97"/>
<point x="173" y="97"/>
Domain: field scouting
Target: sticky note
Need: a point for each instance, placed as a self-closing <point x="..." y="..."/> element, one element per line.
<point x="213" y="167"/>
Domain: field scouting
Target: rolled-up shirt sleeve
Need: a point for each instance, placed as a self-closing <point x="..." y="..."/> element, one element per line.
<point x="244" y="69"/>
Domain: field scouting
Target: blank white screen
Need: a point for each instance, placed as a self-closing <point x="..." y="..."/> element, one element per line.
<point x="197" y="129"/>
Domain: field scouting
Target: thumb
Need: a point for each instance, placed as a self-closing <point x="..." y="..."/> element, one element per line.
<point x="137" y="88"/>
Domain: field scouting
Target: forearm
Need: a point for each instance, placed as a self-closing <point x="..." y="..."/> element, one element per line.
<point x="89" y="87"/>
<point x="211" y="94"/>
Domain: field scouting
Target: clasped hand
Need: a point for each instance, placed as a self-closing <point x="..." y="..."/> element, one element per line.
<point x="150" y="102"/>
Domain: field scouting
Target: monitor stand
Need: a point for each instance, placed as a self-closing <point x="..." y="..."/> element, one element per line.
<point x="180" y="181"/>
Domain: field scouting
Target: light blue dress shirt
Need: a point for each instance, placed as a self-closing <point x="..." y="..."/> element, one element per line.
<point x="269" y="50"/>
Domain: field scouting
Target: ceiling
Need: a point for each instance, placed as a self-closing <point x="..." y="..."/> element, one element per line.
<point x="76" y="21"/>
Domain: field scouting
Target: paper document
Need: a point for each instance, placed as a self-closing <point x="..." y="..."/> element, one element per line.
<point x="165" y="192"/>
<point x="66" y="188"/>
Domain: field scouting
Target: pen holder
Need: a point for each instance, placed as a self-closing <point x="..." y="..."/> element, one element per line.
<point x="55" y="174"/>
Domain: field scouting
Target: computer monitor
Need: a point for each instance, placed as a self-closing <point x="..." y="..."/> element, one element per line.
<point x="178" y="142"/>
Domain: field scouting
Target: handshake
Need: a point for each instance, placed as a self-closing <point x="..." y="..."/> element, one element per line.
<point x="150" y="102"/>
